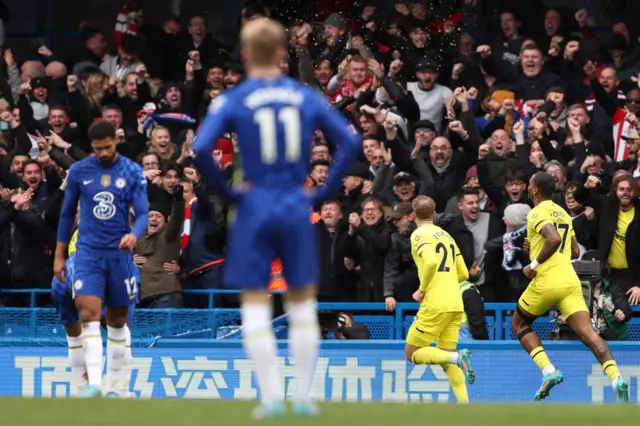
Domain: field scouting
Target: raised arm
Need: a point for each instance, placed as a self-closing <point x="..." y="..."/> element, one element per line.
<point x="140" y="205"/>
<point x="217" y="121"/>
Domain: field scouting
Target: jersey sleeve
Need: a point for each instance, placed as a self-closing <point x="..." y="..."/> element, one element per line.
<point x="539" y="219"/>
<point x="427" y="255"/>
<point x="216" y="123"/>
<point x="335" y="128"/>
<point x="69" y="207"/>
<point x="140" y="203"/>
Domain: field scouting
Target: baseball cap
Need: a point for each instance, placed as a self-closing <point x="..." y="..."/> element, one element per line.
<point x="402" y="176"/>
<point x="425" y="124"/>
<point x="401" y="210"/>
<point x="427" y="64"/>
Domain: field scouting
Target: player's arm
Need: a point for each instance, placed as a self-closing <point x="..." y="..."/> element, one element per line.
<point x="430" y="265"/>
<point x="67" y="214"/>
<point x="552" y="241"/>
<point x="215" y="124"/>
<point x="334" y="126"/>
<point x="140" y="206"/>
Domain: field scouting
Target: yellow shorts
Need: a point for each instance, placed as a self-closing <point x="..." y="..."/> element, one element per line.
<point x="441" y="327"/>
<point x="541" y="295"/>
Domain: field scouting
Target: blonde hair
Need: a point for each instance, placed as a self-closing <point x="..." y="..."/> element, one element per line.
<point x="264" y="40"/>
<point x="95" y="88"/>
<point x="424" y="207"/>
<point x="152" y="149"/>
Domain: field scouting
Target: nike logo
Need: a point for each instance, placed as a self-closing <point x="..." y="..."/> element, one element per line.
<point x="87" y="182"/>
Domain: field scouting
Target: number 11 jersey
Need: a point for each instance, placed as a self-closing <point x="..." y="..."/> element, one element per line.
<point x="559" y="264"/>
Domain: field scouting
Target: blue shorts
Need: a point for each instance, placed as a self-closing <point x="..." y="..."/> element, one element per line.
<point x="269" y="224"/>
<point x="62" y="295"/>
<point x="111" y="276"/>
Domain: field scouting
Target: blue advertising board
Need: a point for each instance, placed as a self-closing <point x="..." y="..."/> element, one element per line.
<point x="347" y="371"/>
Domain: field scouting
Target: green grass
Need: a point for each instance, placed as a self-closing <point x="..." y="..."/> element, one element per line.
<point x="83" y="412"/>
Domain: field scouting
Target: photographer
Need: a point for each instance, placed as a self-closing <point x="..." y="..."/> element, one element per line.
<point x="157" y="254"/>
<point x="342" y="326"/>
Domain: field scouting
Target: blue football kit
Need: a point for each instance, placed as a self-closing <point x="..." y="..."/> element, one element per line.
<point x="105" y="194"/>
<point x="274" y="120"/>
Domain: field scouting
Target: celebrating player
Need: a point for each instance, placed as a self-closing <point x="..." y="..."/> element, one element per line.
<point x="106" y="185"/>
<point x="62" y="292"/>
<point x="275" y="118"/>
<point x="554" y="282"/>
<point x="441" y="270"/>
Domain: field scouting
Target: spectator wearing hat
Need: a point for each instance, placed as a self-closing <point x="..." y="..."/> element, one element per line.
<point x="400" y="279"/>
<point x="510" y="247"/>
<point x="373" y="238"/>
<point x="335" y="38"/>
<point x="158" y="251"/>
<point x="428" y="93"/>
<point x="354" y="188"/>
<point x="34" y="102"/>
<point x="334" y="246"/>
<point x="471" y="181"/>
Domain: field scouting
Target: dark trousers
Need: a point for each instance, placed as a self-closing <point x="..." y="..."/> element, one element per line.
<point x="163" y="301"/>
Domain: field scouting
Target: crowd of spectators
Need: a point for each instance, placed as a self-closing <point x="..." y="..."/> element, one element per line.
<point x="452" y="102"/>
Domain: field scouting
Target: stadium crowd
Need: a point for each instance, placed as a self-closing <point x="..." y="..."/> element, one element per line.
<point x="453" y="100"/>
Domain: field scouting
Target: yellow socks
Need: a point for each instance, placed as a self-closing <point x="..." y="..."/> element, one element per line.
<point x="431" y="356"/>
<point x="539" y="356"/>
<point x="457" y="382"/>
<point x="611" y="370"/>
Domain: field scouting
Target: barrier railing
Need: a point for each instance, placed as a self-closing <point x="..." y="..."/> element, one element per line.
<point x="383" y="325"/>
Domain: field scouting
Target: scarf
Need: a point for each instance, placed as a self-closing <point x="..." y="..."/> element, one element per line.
<point x="442" y="169"/>
<point x="123" y="26"/>
<point x="511" y="245"/>
<point x="186" y="226"/>
<point x="347" y="90"/>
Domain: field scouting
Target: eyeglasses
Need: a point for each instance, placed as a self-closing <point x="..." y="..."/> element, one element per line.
<point x="514" y="183"/>
<point x="633" y="101"/>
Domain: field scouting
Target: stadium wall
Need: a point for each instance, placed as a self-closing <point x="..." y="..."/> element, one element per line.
<point x="347" y="371"/>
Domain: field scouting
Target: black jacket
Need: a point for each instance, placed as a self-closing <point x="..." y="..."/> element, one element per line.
<point x="400" y="272"/>
<point x="607" y="209"/>
<point x="337" y="283"/>
<point x="373" y="243"/>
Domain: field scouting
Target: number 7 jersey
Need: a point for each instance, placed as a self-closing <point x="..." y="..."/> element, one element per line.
<point x="548" y="212"/>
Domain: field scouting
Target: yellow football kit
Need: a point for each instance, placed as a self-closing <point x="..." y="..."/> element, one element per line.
<point x="440" y="269"/>
<point x="556" y="282"/>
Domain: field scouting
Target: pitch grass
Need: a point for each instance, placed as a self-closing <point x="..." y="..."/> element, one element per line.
<point x="82" y="412"/>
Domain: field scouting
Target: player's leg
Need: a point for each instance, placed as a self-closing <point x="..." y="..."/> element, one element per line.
<point x="89" y="282"/>
<point x="248" y="267"/>
<point x="575" y="311"/>
<point x="297" y="249"/>
<point x="70" y="319"/>
<point x="122" y="289"/>
<point x="531" y="305"/>
<point x="304" y="343"/>
<point x="76" y="355"/>
<point x="438" y="326"/>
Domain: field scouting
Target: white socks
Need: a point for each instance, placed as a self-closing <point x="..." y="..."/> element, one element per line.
<point x="304" y="341"/>
<point x="127" y="365"/>
<point x="260" y="344"/>
<point x="92" y="348"/>
<point x="549" y="369"/>
<point x="116" y="356"/>
<point x="453" y="357"/>
<point x="76" y="361"/>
